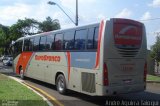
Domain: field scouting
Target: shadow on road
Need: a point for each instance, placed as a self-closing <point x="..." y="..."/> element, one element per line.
<point x="137" y="97"/>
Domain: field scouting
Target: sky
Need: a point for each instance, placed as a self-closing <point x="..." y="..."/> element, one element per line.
<point x="90" y="11"/>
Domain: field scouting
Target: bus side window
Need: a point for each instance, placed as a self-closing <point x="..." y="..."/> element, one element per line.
<point x="58" y="43"/>
<point x="18" y="48"/>
<point x="36" y="43"/>
<point x="68" y="43"/>
<point x="31" y="41"/>
<point x="95" y="43"/>
<point x="42" y="45"/>
<point x="26" y="44"/>
<point x="50" y="42"/>
<point x="90" y="39"/>
<point x="80" y="39"/>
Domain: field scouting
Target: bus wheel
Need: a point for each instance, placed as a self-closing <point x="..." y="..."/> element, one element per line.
<point x="22" y="74"/>
<point x="61" y="84"/>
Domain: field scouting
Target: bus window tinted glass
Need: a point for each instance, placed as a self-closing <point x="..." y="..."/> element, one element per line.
<point x="36" y="43"/>
<point x="50" y="42"/>
<point x="68" y="43"/>
<point x="42" y="45"/>
<point x="26" y="44"/>
<point x="90" y="38"/>
<point x="17" y="48"/>
<point x="31" y="41"/>
<point x="80" y="39"/>
<point x="58" y="42"/>
<point x="96" y="37"/>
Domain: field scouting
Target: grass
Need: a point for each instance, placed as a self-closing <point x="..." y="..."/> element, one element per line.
<point x="153" y="78"/>
<point x="13" y="93"/>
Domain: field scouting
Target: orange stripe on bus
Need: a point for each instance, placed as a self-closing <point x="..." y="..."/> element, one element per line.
<point x="69" y="64"/>
<point x="99" y="44"/>
<point x="23" y="61"/>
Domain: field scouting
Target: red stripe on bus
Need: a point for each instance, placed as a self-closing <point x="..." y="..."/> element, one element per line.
<point x="23" y="61"/>
<point x="69" y="64"/>
<point x="99" y="44"/>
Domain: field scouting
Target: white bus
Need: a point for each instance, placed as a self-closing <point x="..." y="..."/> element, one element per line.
<point x="99" y="59"/>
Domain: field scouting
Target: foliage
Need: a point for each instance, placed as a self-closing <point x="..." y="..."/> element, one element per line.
<point x="23" y="28"/>
<point x="49" y="25"/>
<point x="4" y="34"/>
<point x="155" y="50"/>
<point x="4" y="38"/>
<point x="1" y="50"/>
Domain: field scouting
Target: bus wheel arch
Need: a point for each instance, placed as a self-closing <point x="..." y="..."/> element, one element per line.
<point x="19" y="69"/>
<point x="60" y="82"/>
<point x="21" y="72"/>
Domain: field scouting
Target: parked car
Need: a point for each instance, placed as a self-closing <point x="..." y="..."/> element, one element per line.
<point x="4" y="57"/>
<point x="8" y="61"/>
<point x="1" y="58"/>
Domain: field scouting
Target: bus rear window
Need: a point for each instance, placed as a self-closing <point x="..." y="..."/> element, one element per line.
<point x="127" y="34"/>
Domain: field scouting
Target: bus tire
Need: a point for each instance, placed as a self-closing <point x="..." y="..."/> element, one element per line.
<point x="61" y="84"/>
<point x="22" y="74"/>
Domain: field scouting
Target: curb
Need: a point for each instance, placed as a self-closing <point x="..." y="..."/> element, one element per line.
<point x="21" y="82"/>
<point x="41" y="92"/>
<point x="46" y="94"/>
<point x="153" y="82"/>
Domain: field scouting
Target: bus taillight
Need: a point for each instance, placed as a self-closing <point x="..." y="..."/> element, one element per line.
<point x="105" y="75"/>
<point x="145" y="71"/>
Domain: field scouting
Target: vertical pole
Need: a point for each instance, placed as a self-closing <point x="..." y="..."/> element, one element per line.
<point x="76" y="13"/>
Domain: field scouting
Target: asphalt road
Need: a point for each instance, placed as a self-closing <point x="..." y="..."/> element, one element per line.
<point x="149" y="97"/>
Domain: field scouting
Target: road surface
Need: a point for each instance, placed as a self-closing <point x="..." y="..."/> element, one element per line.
<point x="149" y="97"/>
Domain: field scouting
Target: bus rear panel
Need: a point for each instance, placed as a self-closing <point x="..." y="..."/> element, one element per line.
<point x="124" y="61"/>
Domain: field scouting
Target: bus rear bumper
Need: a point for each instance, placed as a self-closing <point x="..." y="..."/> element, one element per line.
<point x="125" y="89"/>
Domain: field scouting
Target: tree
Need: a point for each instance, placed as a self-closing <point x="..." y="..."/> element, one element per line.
<point x="49" y="25"/>
<point x="4" y="33"/>
<point x="31" y="27"/>
<point x="155" y="50"/>
<point x="4" y="38"/>
<point x="23" y="28"/>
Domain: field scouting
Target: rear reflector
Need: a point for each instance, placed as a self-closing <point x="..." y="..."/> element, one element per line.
<point x="105" y="75"/>
<point x="145" y="71"/>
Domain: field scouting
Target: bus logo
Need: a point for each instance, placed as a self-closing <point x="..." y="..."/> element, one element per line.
<point x="127" y="28"/>
<point x="48" y="58"/>
<point x="127" y="34"/>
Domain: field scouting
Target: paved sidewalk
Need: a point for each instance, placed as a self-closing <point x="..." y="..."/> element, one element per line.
<point x="153" y="82"/>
